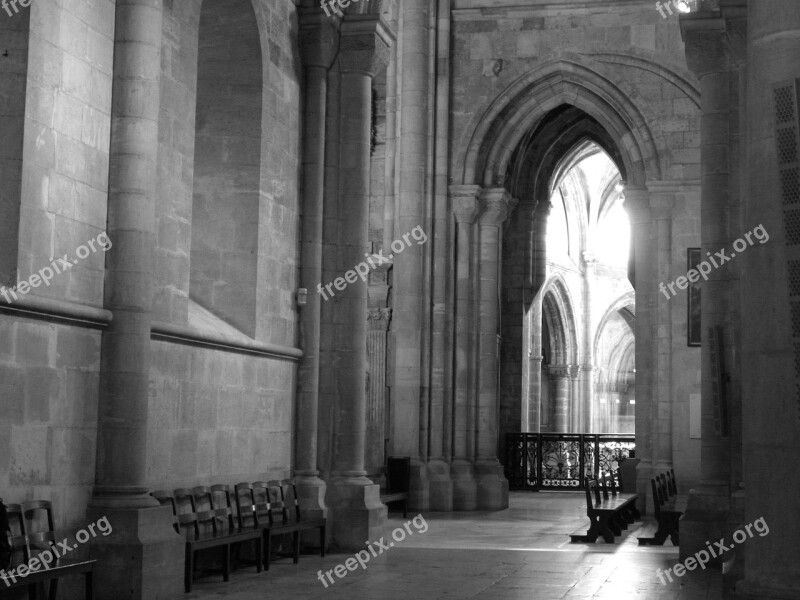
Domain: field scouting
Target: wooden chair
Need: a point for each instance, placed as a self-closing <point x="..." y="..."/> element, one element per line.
<point x="292" y="513"/>
<point x="207" y="529"/>
<point x="269" y="512"/>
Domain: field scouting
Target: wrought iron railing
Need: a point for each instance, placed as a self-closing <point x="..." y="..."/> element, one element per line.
<point x="536" y="461"/>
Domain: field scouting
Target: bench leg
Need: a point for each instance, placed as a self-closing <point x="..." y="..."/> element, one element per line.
<point x="226" y="568"/>
<point x="599" y="527"/>
<point x="89" y="585"/>
<point x="187" y="577"/>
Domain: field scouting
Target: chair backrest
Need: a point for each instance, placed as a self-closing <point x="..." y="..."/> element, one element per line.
<point x="188" y="523"/>
<point x="263" y="501"/>
<point x="277" y="500"/>
<point x="221" y="505"/>
<point x="246" y="505"/>
<point x="658" y="500"/>
<point x="20" y="549"/>
<point x="208" y="519"/>
<point x="165" y="499"/>
<point x="34" y="510"/>
<point x="398" y="474"/>
<point x="673" y="485"/>
<point x="290" y="499"/>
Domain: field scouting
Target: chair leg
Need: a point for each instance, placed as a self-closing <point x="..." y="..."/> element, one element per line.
<point x="52" y="594"/>
<point x="296" y="546"/>
<point x="89" y="585"/>
<point x="322" y="540"/>
<point x="187" y="578"/>
<point x="259" y="554"/>
<point x="267" y="550"/>
<point x="226" y="569"/>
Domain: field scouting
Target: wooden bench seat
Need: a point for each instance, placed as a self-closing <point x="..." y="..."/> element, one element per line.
<point x="608" y="515"/>
<point x="668" y="508"/>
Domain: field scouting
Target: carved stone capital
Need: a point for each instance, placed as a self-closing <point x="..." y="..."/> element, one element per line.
<point x="637" y="205"/>
<point x="464" y="202"/>
<point x="319" y="39"/>
<point x="559" y="371"/>
<point x="497" y="206"/>
<point x="379" y="319"/>
<point x="706" y="43"/>
<point x="364" y="45"/>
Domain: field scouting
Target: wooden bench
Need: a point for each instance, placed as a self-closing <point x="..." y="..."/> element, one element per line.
<point x="212" y="527"/>
<point x="29" y="543"/>
<point x="668" y="508"/>
<point x="398" y="482"/>
<point x="607" y="515"/>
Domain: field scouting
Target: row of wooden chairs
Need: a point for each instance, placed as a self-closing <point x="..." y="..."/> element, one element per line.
<point x="251" y="513"/>
<point x="32" y="533"/>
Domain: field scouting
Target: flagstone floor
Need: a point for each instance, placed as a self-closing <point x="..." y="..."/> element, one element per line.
<point x="521" y="552"/>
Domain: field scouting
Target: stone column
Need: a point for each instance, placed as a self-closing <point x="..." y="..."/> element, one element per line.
<point x="661" y="203"/>
<point x="440" y="484"/>
<point x="142" y="558"/>
<point x="379" y="319"/>
<point x="769" y="354"/>
<point x="589" y="279"/>
<point x="354" y="500"/>
<point x="587" y="393"/>
<point x="534" y="339"/>
<point x="575" y="404"/>
<point x="492" y="485"/>
<point x="464" y="201"/>
<point x="318" y="48"/>
<point x="637" y="204"/>
<point x="409" y="393"/>
<point x="707" y="57"/>
<point x="559" y="381"/>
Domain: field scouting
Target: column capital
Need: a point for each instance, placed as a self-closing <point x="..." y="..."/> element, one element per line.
<point x="464" y="202"/>
<point x="559" y="371"/>
<point x="637" y="205"/>
<point x="379" y="319"/>
<point x="706" y="43"/>
<point x="364" y="45"/>
<point x="319" y="39"/>
<point x="497" y="204"/>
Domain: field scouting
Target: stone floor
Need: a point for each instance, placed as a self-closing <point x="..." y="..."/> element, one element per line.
<point x="521" y="552"/>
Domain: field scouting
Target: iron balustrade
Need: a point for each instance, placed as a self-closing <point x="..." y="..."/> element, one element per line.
<point x="537" y="461"/>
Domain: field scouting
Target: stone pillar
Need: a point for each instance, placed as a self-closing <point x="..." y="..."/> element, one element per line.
<point x="492" y="485"/>
<point x="637" y="204"/>
<point x="770" y="408"/>
<point x="409" y="295"/>
<point x="318" y="48"/>
<point x="706" y="56"/>
<point x="587" y="392"/>
<point x="379" y="319"/>
<point x="575" y="404"/>
<point x="559" y="383"/>
<point x="534" y="339"/>
<point x="589" y="280"/>
<point x="440" y="483"/>
<point x="354" y="500"/>
<point x="143" y="558"/>
<point x="661" y="203"/>
<point x="464" y="201"/>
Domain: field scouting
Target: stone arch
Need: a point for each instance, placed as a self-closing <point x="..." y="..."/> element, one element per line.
<point x="558" y="313"/>
<point x="571" y="80"/>
<point x="625" y="305"/>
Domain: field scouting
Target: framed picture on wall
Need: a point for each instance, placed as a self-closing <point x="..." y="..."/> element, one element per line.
<point x="693" y="300"/>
